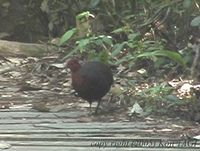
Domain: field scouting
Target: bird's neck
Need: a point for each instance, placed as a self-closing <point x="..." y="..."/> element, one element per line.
<point x="76" y="79"/>
<point x="75" y="68"/>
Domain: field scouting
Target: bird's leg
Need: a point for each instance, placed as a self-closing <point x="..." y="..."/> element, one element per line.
<point x="97" y="106"/>
<point x="90" y="106"/>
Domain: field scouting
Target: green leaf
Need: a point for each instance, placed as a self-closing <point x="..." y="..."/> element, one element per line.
<point x="136" y="109"/>
<point x="187" y="3"/>
<point x="82" y="44"/>
<point x="128" y="58"/>
<point x="107" y="40"/>
<point x="195" y="22"/>
<point x="172" y="98"/>
<point x="50" y="25"/>
<point x="84" y="14"/>
<point x="93" y="3"/>
<point x="164" y="53"/>
<point x="119" y="30"/>
<point x="67" y="36"/>
<point x="117" y="48"/>
<point x="133" y="36"/>
<point x="44" y="6"/>
<point x="103" y="56"/>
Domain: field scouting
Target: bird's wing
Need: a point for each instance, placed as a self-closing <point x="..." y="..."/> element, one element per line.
<point x="92" y="78"/>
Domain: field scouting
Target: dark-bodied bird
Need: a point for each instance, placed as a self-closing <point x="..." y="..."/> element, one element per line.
<point x="91" y="80"/>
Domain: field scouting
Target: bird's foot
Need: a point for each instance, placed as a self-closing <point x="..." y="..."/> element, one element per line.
<point x="92" y="113"/>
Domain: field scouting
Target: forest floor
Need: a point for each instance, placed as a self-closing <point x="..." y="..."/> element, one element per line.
<point x="38" y="109"/>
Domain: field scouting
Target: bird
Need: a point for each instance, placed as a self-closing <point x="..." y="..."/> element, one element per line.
<point x="91" y="81"/>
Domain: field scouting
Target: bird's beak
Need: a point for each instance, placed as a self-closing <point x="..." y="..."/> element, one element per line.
<point x="68" y="70"/>
<point x="66" y="66"/>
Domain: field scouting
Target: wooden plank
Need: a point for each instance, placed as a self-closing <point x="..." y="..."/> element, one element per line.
<point x="94" y="125"/>
<point x="78" y="143"/>
<point x="57" y="148"/>
<point x="27" y="129"/>
<point x="41" y="115"/>
<point x="62" y="123"/>
<point x="59" y="120"/>
<point x="71" y="138"/>
<point x="51" y="134"/>
<point x="65" y="137"/>
<point x="36" y="121"/>
<point x="84" y="126"/>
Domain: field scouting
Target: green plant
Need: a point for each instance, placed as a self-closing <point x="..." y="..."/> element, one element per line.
<point x="164" y="53"/>
<point x="155" y="99"/>
<point x="67" y="36"/>
<point x="137" y="49"/>
<point x="95" y="47"/>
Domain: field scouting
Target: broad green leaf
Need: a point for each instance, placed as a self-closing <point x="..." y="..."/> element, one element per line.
<point x="107" y="40"/>
<point x="172" y="98"/>
<point x="165" y="53"/>
<point x="67" y="36"/>
<point x="133" y="36"/>
<point x="119" y="30"/>
<point x="82" y="44"/>
<point x="187" y="3"/>
<point x="128" y="58"/>
<point x="195" y="22"/>
<point x="117" y="48"/>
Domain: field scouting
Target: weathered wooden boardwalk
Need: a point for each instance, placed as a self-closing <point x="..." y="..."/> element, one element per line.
<point x="25" y="129"/>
